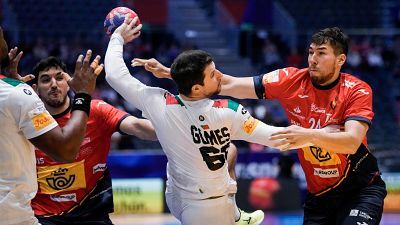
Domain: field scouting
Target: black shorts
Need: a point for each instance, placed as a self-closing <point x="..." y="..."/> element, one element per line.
<point x="364" y="206"/>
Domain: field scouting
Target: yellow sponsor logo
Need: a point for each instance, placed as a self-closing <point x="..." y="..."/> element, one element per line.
<point x="319" y="156"/>
<point x="42" y="120"/>
<point x="250" y="125"/>
<point x="63" y="177"/>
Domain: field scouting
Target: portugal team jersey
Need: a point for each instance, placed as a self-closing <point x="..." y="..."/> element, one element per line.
<point x="194" y="135"/>
<point x="22" y="117"/>
<point x="64" y="186"/>
<point x="309" y="106"/>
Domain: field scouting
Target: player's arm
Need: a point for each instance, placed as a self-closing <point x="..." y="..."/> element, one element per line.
<point x="117" y="74"/>
<point x="62" y="144"/>
<point x="140" y="128"/>
<point x="346" y="142"/>
<point x="237" y="87"/>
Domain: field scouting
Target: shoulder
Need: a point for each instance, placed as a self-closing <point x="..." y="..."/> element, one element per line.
<point x="354" y="83"/>
<point x="226" y="103"/>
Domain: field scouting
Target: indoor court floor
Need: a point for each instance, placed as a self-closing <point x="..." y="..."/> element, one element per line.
<point x="270" y="219"/>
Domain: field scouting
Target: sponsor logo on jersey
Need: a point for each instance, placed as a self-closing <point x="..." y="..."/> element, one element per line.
<point x="205" y="127"/>
<point x="64" y="198"/>
<point x="250" y="125"/>
<point x="271" y="77"/>
<point x="28" y="92"/>
<point x="297" y="110"/>
<point x="356" y="212"/>
<point x="99" y="168"/>
<point x="63" y="177"/>
<point x="42" y="120"/>
<point x="326" y="173"/>
<point x="315" y="108"/>
<point x="320" y="154"/>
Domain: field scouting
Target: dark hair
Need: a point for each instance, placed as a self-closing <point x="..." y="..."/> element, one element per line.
<point x="46" y="64"/>
<point x="336" y="38"/>
<point x="188" y="69"/>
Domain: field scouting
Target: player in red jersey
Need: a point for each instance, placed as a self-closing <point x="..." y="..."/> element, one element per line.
<point x="343" y="178"/>
<point x="78" y="192"/>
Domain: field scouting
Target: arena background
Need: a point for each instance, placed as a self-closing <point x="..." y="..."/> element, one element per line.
<point x="246" y="37"/>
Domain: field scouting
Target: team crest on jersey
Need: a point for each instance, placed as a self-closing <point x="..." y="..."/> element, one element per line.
<point x="63" y="177"/>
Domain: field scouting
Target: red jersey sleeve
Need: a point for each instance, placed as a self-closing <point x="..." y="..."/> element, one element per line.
<point x="273" y="84"/>
<point x="108" y="114"/>
<point x="359" y="104"/>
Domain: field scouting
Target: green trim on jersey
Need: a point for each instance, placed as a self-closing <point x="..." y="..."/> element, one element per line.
<point x="233" y="105"/>
<point x="12" y="82"/>
<point x="179" y="100"/>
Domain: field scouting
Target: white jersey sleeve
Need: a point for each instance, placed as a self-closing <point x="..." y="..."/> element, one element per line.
<point x="145" y="98"/>
<point x="247" y="128"/>
<point x="29" y="112"/>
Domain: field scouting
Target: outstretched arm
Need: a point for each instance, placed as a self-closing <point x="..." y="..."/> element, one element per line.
<point x="237" y="87"/>
<point x="346" y="142"/>
<point x="117" y="74"/>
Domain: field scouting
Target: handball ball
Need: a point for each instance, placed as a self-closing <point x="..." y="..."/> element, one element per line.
<point x="116" y="17"/>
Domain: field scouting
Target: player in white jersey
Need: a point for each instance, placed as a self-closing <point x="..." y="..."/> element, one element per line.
<point x="194" y="131"/>
<point x="23" y="121"/>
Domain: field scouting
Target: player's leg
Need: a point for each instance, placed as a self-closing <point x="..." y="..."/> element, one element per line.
<point x="241" y="217"/>
<point x="319" y="210"/>
<point x="364" y="207"/>
<point x="217" y="211"/>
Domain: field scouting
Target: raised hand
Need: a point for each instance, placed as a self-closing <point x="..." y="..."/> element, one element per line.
<point x="128" y="30"/>
<point x="153" y="66"/>
<point x="12" y="68"/>
<point x="84" y="79"/>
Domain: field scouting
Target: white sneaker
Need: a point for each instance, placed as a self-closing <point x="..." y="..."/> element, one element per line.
<point x="254" y="218"/>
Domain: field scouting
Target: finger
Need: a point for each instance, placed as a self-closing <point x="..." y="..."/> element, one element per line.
<point x="134" y="64"/>
<point x="12" y="53"/>
<point x="66" y="76"/>
<point x="276" y="136"/>
<point x="95" y="62"/>
<point x="126" y="20"/>
<point x="141" y="61"/>
<point x="98" y="70"/>
<point x="86" y="60"/>
<point x="18" y="57"/>
<point x="131" y="24"/>
<point x="78" y="63"/>
<point x="28" y="78"/>
<point x="137" y="29"/>
<point x="150" y="68"/>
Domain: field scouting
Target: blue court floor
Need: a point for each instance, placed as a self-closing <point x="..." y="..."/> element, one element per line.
<point x="270" y="219"/>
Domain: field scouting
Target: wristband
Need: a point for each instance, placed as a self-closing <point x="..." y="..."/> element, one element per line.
<point x="81" y="102"/>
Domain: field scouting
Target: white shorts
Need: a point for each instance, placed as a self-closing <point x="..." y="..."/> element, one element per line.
<point x="218" y="211"/>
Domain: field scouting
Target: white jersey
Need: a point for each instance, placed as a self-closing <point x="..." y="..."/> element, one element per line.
<point x="22" y="117"/>
<point x="195" y="135"/>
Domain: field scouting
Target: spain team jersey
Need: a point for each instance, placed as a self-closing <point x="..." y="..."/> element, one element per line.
<point x="22" y="117"/>
<point x="64" y="186"/>
<point x="309" y="106"/>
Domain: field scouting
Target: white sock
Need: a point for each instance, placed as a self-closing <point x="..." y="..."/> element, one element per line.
<point x="237" y="211"/>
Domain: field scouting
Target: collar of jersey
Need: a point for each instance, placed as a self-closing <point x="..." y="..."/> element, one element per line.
<point x="63" y="113"/>
<point x="329" y="86"/>
<point x="201" y="105"/>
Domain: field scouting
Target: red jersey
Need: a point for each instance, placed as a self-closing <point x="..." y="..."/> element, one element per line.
<point x="63" y="186"/>
<point x="310" y="106"/>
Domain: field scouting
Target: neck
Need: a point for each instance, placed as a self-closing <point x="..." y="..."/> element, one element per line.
<point x="333" y="79"/>
<point x="60" y="109"/>
<point x="190" y="98"/>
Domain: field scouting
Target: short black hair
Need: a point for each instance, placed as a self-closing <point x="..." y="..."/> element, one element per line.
<point x="336" y="38"/>
<point x="46" y="64"/>
<point x="188" y="69"/>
